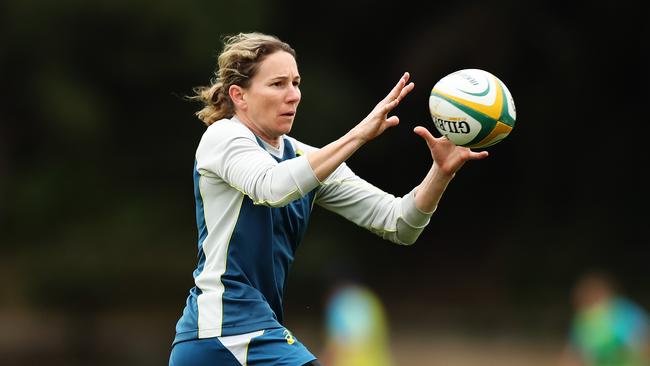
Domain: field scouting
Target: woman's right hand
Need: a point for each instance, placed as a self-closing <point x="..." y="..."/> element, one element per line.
<point x="378" y="121"/>
<point x="324" y="161"/>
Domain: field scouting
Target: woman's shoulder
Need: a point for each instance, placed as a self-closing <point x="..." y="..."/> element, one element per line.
<point x="226" y="129"/>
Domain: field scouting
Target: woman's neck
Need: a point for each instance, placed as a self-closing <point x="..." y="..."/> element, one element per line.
<point x="271" y="140"/>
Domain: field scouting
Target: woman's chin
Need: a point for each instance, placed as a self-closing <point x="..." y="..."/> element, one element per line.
<point x="285" y="127"/>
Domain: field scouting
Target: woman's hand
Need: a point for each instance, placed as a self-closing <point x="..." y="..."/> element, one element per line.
<point x="448" y="157"/>
<point x="447" y="160"/>
<point x="378" y="121"/>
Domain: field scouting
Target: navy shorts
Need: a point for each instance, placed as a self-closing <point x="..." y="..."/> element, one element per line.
<point x="275" y="346"/>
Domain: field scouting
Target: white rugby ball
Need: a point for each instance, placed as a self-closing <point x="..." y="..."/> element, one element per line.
<point x="472" y="108"/>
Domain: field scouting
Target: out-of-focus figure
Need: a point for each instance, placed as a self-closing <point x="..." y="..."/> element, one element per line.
<point x="607" y="328"/>
<point x="356" y="328"/>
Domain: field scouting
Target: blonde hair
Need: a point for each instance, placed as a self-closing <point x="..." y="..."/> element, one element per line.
<point x="236" y="65"/>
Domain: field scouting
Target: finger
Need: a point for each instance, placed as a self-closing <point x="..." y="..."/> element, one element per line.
<point x="478" y="155"/>
<point x="426" y="135"/>
<point x="392" y="121"/>
<point x="406" y="90"/>
<point x="386" y="108"/>
<point x="397" y="89"/>
<point x="394" y="93"/>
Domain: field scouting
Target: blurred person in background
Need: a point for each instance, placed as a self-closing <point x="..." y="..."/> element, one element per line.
<point x="607" y="329"/>
<point x="254" y="189"/>
<point x="357" y="329"/>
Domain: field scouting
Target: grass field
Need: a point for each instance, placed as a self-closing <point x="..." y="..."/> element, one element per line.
<point x="143" y="338"/>
<point x="441" y="350"/>
<point x="414" y="346"/>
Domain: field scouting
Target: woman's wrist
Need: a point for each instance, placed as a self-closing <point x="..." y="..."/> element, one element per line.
<point x="439" y="175"/>
<point x="432" y="188"/>
<point x="356" y="137"/>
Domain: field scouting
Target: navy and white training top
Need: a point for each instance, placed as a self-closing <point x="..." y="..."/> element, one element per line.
<point x="253" y="203"/>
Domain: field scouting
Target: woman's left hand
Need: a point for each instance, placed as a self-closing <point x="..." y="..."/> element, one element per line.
<point x="447" y="156"/>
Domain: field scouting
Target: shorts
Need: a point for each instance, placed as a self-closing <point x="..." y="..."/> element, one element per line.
<point x="275" y="346"/>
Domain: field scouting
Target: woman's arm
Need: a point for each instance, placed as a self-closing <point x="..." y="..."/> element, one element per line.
<point x="447" y="160"/>
<point x="229" y="152"/>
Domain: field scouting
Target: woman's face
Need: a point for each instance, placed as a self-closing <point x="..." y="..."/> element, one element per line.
<point x="271" y="100"/>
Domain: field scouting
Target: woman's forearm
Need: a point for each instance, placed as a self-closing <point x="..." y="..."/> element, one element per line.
<point x="431" y="189"/>
<point x="325" y="160"/>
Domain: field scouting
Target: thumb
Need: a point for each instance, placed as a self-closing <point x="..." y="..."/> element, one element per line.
<point x="426" y="135"/>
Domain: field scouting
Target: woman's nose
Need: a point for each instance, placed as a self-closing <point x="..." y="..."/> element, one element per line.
<point x="293" y="95"/>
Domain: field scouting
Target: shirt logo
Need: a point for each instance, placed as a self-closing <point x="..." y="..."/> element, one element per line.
<point x="289" y="337"/>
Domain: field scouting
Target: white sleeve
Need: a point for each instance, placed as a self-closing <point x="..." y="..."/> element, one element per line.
<point x="393" y="218"/>
<point x="229" y="151"/>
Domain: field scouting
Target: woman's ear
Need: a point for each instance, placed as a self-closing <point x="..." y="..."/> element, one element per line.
<point x="236" y="94"/>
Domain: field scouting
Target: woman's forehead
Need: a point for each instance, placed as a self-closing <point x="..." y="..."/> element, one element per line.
<point x="279" y="64"/>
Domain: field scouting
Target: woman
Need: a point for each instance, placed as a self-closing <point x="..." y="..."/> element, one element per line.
<point x="255" y="187"/>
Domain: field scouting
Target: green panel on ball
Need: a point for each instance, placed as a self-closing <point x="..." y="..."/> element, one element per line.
<point x="486" y="122"/>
